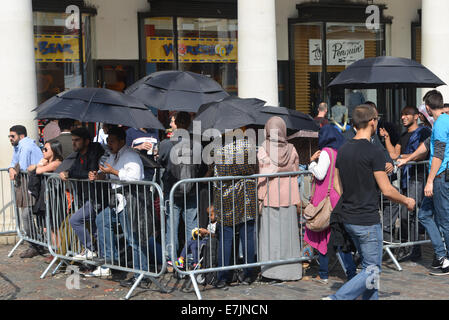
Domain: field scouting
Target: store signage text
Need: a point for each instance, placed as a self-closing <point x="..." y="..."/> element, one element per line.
<point x="193" y="50"/>
<point x="56" y="48"/>
<point x="339" y="52"/>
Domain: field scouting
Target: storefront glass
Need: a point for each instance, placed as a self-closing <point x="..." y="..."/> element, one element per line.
<point x="345" y="44"/>
<point x="206" y="46"/>
<point x="58" y="52"/>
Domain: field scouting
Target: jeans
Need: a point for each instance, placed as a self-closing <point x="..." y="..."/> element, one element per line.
<point x="78" y="223"/>
<point x="189" y="214"/>
<point x="247" y="240"/>
<point x="368" y="241"/>
<point x="107" y="240"/>
<point x="348" y="262"/>
<point x="437" y="208"/>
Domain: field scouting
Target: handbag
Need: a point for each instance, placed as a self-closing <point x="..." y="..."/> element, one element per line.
<point x="317" y="218"/>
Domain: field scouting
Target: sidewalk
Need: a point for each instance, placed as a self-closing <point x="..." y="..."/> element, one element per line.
<point x="19" y="279"/>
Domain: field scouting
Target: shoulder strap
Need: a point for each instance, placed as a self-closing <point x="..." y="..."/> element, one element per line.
<point x="331" y="179"/>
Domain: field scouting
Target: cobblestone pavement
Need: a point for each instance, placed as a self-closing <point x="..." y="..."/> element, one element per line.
<point x="19" y="279"/>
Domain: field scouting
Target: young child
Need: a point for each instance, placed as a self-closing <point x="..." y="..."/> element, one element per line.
<point x="194" y="245"/>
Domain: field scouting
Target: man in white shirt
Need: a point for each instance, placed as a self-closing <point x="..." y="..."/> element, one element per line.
<point x="122" y="164"/>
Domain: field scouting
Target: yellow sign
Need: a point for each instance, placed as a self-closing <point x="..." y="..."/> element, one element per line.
<point x="56" y="48"/>
<point x="192" y="50"/>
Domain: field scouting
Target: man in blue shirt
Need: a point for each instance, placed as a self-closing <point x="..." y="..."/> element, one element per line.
<point x="436" y="191"/>
<point x="26" y="153"/>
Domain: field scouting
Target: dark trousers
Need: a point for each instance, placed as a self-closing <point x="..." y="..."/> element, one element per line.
<point x="225" y="238"/>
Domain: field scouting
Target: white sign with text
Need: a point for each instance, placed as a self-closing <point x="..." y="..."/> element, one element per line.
<point x="339" y="52"/>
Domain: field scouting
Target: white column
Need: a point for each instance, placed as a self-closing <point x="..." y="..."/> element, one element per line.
<point x="257" y="61"/>
<point x="435" y="41"/>
<point x="18" y="74"/>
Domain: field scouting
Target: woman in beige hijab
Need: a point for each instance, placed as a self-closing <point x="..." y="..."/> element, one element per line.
<point x="279" y="232"/>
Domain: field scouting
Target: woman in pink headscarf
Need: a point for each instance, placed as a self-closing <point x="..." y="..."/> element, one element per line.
<point x="279" y="232"/>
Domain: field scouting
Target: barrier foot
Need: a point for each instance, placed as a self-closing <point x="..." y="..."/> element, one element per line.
<point x="157" y="283"/>
<point x="136" y="283"/>
<point x="57" y="268"/>
<point x="49" y="267"/>
<point x="15" y="247"/>
<point x="195" y="286"/>
<point x="393" y="258"/>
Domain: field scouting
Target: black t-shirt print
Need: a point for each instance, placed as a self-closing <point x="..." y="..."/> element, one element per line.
<point x="357" y="161"/>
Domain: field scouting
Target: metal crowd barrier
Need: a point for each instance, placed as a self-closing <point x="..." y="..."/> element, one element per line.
<point x="198" y="195"/>
<point x="122" y="225"/>
<point x="401" y="228"/>
<point x="8" y="225"/>
<point x="30" y="225"/>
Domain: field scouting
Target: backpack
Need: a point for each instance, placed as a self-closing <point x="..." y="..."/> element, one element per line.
<point x="184" y="168"/>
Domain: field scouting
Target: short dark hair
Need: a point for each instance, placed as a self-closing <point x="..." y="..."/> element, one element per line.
<point x="19" y="129"/>
<point x="82" y="133"/>
<point x="56" y="148"/>
<point x="66" y="124"/>
<point x="370" y="103"/>
<point x="118" y="132"/>
<point x="410" y="110"/>
<point x="362" y="115"/>
<point x="182" y="120"/>
<point x="434" y="100"/>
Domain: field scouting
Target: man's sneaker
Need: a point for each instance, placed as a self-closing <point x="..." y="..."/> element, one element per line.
<point x="437" y="263"/>
<point x="99" y="272"/>
<point x="86" y="255"/>
<point x="180" y="263"/>
<point x="444" y="269"/>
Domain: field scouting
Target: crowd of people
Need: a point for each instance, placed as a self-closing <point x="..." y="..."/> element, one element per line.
<point x="261" y="219"/>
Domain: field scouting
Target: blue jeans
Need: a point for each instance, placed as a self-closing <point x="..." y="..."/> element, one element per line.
<point x="189" y="214"/>
<point x="225" y="243"/>
<point x="348" y="262"/>
<point x="78" y="222"/>
<point x="441" y="205"/>
<point x="368" y="241"/>
<point x="428" y="218"/>
<point x="107" y="239"/>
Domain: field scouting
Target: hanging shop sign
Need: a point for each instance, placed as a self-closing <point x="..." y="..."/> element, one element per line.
<point x="192" y="50"/>
<point x="56" y="48"/>
<point x="339" y="52"/>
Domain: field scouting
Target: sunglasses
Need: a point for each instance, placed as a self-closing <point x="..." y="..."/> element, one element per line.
<point x="11" y="136"/>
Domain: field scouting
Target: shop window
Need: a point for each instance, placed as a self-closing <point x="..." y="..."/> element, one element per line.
<point x="345" y="44"/>
<point x="205" y="45"/>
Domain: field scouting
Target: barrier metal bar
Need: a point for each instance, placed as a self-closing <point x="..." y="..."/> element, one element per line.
<point x="120" y="226"/>
<point x="401" y="227"/>
<point x="248" y="228"/>
<point x="8" y="223"/>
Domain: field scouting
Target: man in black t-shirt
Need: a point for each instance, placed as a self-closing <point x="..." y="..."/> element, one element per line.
<point x="412" y="177"/>
<point x="359" y="169"/>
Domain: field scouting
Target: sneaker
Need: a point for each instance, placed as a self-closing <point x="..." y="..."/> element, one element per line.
<point x="29" y="253"/>
<point x="99" y="272"/>
<point x="322" y="281"/>
<point x="220" y="284"/>
<point x="85" y="255"/>
<point x="444" y="269"/>
<point x="437" y="263"/>
<point x="326" y="298"/>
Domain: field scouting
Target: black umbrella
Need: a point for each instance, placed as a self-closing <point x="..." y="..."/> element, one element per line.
<point x="98" y="105"/>
<point x="229" y="113"/>
<point x="176" y="90"/>
<point x="295" y="120"/>
<point x="388" y="73"/>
